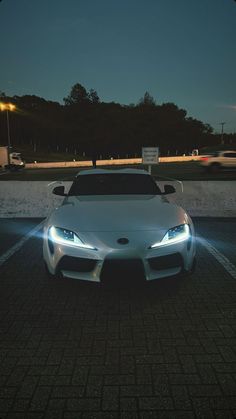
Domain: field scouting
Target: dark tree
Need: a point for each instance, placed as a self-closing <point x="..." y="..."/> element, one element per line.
<point x="147" y="100"/>
<point x="77" y="95"/>
<point x="87" y="125"/>
<point x="93" y="96"/>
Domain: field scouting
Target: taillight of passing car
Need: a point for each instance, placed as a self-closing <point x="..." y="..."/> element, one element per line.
<point x="204" y="158"/>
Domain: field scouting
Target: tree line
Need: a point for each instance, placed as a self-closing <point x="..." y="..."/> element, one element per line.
<point x="84" y="124"/>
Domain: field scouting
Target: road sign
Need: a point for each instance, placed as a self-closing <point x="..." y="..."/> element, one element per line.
<point x="150" y="155"/>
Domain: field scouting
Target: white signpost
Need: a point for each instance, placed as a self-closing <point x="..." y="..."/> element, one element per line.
<point x="150" y="156"/>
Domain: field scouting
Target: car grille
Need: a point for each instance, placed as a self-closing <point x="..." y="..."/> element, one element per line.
<point x="166" y="262"/>
<point x="122" y="271"/>
<point x="70" y="263"/>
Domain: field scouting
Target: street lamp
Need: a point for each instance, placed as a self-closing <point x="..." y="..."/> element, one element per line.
<point x="8" y="107"/>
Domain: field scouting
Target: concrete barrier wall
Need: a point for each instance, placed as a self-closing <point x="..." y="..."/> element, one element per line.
<point x="106" y="162"/>
<point x="199" y="198"/>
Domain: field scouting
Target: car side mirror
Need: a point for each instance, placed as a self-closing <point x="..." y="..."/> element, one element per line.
<point x="168" y="189"/>
<point x="59" y="190"/>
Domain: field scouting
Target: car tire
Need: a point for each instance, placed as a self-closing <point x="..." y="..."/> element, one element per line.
<point x="189" y="272"/>
<point x="193" y="267"/>
<point x="214" y="168"/>
<point x="50" y="275"/>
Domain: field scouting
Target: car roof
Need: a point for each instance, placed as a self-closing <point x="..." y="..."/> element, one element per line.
<point x="112" y="171"/>
<point x="213" y="153"/>
<point x="228" y="151"/>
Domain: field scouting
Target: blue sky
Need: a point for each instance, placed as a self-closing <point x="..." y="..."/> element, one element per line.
<point x="180" y="51"/>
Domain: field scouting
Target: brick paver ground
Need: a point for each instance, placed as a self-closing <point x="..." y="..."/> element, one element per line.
<point x="70" y="350"/>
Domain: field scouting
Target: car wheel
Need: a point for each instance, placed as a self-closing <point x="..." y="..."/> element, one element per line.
<point x="214" y="168"/>
<point x="192" y="269"/>
<point x="186" y="273"/>
<point x="49" y="275"/>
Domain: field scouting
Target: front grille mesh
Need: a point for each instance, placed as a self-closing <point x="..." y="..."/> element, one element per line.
<point x="122" y="271"/>
<point x="70" y="263"/>
<point x="160" y="263"/>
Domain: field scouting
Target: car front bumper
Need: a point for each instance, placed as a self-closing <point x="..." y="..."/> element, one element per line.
<point x="108" y="261"/>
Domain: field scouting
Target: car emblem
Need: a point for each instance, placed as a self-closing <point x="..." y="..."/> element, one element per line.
<point x="123" y="240"/>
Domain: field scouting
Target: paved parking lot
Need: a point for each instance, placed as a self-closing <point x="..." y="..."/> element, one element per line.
<point x="166" y="350"/>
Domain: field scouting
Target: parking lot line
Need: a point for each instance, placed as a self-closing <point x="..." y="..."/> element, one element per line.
<point x="19" y="244"/>
<point x="223" y="260"/>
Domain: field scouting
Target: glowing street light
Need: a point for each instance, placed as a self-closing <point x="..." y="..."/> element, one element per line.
<point x="8" y="107"/>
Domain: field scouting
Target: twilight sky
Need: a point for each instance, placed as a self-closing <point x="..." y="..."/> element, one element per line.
<point x="181" y="51"/>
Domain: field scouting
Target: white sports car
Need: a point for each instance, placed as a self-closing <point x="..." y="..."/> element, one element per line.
<point x="117" y="221"/>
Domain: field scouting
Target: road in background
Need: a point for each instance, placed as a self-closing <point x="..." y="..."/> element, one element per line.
<point x="181" y="171"/>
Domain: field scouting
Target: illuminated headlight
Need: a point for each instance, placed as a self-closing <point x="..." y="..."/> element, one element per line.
<point x="174" y="235"/>
<point x="67" y="237"/>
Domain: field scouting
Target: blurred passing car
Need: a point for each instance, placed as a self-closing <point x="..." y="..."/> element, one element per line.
<point x="219" y="160"/>
<point x="117" y="221"/>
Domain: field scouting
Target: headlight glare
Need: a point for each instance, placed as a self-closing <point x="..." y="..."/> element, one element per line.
<point x="174" y="235"/>
<point x="67" y="237"/>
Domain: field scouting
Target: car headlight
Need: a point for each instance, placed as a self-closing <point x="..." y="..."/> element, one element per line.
<point x="68" y="237"/>
<point x="174" y="235"/>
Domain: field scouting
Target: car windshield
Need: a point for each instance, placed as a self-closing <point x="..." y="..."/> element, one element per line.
<point x="114" y="184"/>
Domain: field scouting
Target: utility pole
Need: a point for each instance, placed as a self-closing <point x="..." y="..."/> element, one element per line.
<point x="8" y="107"/>
<point x="222" y="131"/>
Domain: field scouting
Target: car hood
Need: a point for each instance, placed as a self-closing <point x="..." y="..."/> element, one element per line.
<point x="117" y="213"/>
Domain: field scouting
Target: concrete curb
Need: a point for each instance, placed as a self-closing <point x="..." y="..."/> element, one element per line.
<point x="106" y="162"/>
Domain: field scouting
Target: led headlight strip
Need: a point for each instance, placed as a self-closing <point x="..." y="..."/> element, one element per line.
<point x="67" y="237"/>
<point x="174" y="235"/>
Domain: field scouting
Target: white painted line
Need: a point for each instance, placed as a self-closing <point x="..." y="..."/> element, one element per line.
<point x="19" y="244"/>
<point x="223" y="260"/>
